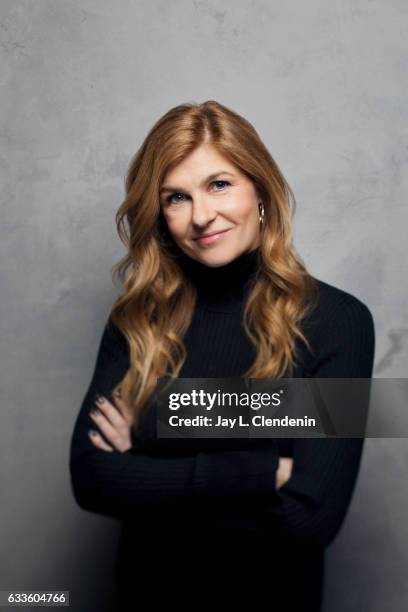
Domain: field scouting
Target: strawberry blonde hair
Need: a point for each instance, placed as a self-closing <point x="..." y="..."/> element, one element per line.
<point x="156" y="302"/>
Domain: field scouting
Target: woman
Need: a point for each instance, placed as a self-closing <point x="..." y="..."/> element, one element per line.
<point x="213" y="287"/>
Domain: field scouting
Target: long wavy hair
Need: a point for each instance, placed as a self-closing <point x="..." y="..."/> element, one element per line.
<point x="156" y="302"/>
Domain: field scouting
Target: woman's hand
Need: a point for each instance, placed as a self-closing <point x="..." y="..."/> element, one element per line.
<point x="284" y="471"/>
<point x="114" y="421"/>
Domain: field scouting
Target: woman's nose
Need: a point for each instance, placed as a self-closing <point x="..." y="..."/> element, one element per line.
<point x="202" y="213"/>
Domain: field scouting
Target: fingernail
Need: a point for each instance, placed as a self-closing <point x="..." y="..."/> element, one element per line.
<point x="117" y="394"/>
<point x="99" y="399"/>
<point x="93" y="432"/>
<point x="95" y="412"/>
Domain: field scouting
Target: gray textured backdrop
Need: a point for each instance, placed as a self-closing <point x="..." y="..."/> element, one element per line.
<point x="81" y="83"/>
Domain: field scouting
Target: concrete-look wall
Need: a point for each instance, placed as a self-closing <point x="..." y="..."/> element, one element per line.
<point x="324" y="83"/>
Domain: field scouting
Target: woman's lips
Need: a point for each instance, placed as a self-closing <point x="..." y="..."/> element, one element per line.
<point x="212" y="238"/>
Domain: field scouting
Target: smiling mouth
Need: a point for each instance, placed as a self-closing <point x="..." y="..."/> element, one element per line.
<point x="210" y="238"/>
<point x="212" y="234"/>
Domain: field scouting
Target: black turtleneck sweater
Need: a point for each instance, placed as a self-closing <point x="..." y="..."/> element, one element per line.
<point x="181" y="505"/>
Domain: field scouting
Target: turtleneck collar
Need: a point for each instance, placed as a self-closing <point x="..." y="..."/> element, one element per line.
<point x="225" y="288"/>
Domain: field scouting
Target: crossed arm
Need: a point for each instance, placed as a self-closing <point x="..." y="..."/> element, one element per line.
<point x="114" y="420"/>
<point x="306" y="504"/>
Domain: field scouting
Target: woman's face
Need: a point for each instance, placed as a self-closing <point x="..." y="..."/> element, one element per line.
<point x="204" y="194"/>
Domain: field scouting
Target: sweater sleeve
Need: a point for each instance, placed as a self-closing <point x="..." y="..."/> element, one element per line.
<point x="117" y="484"/>
<point x="310" y="507"/>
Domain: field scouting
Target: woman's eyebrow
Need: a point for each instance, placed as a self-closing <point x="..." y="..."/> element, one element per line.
<point x="208" y="178"/>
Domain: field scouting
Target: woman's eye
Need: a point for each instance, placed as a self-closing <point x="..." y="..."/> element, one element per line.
<point x="222" y="182"/>
<point x="170" y="199"/>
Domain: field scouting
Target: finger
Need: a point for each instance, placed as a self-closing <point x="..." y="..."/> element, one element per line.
<point x="287" y="468"/>
<point x="289" y="463"/>
<point x="112" y="434"/>
<point x="286" y="464"/>
<point x="123" y="407"/>
<point x="111" y="412"/>
<point x="96" y="439"/>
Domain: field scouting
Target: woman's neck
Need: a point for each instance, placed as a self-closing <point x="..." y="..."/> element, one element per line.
<point x="224" y="288"/>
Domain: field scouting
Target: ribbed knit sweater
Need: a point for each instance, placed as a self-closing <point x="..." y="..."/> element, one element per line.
<point x="214" y="503"/>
